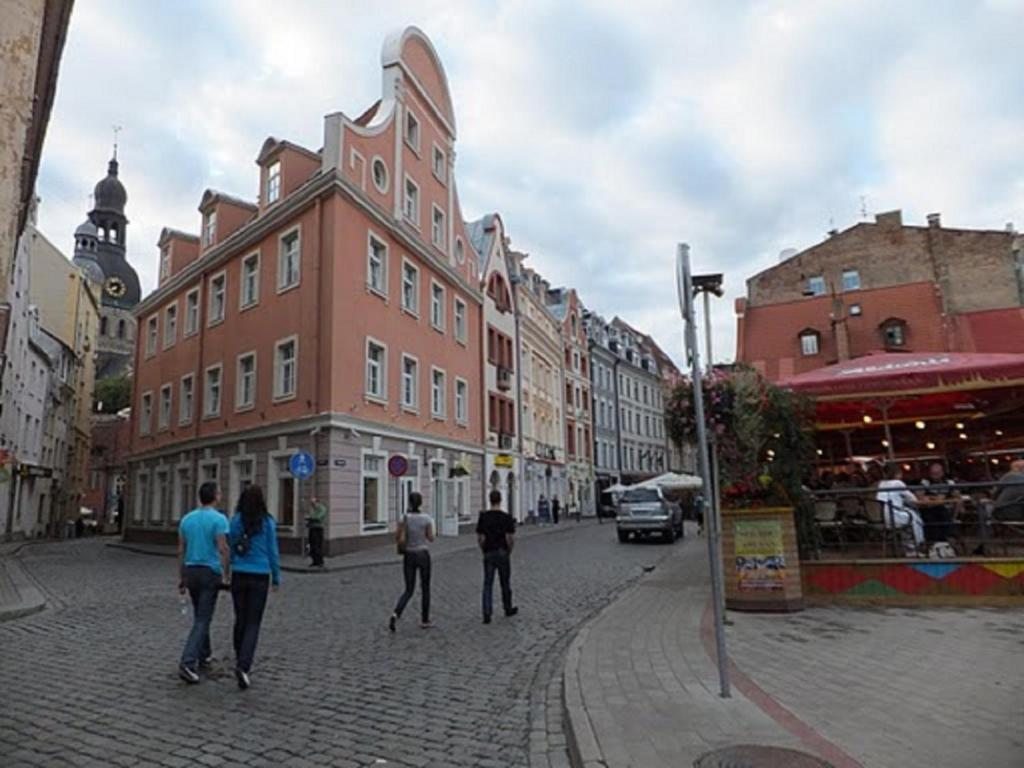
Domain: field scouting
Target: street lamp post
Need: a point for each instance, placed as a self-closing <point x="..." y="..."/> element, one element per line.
<point x="685" y="286"/>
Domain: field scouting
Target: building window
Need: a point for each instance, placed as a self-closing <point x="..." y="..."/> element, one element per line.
<point x="894" y="333"/>
<point x="185" y="399"/>
<point x="211" y="395"/>
<point x="145" y="413"/>
<point x="161" y="497"/>
<point x="218" y="298"/>
<point x="245" y="382"/>
<point x="289" y="257"/>
<point x="170" y="325"/>
<point x="182" y="493"/>
<point x="437" y="305"/>
<point x="437" y="229"/>
<point x="460" y="252"/>
<point x="376" y="370"/>
<point x="242" y="474"/>
<point x="374" y="498"/>
<point x="121" y="328"/>
<point x="151" y="336"/>
<point x="286" y="368"/>
<point x="856" y="310"/>
<point x="410" y="383"/>
<point x="438" y="387"/>
<point x="274" y="182"/>
<point x="164" y="414"/>
<point x="250" y="280"/>
<point x="816" y="285"/>
<point x="851" y="280"/>
<point x="412" y="202"/>
<point x="141" y="494"/>
<point x="410" y="288"/>
<point x="440" y="165"/>
<point x="412" y="130"/>
<point x="209" y="228"/>
<point x="809" y="343"/>
<point x="192" y="312"/>
<point x="461" y="401"/>
<point x="379" y="171"/>
<point x="377" y="265"/>
<point x="460" y="320"/>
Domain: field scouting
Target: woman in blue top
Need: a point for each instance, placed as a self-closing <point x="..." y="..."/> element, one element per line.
<point x="255" y="564"/>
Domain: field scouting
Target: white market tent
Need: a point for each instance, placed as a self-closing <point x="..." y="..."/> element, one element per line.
<point x="672" y="481"/>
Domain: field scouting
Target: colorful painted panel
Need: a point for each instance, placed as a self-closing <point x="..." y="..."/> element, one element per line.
<point x="908" y="582"/>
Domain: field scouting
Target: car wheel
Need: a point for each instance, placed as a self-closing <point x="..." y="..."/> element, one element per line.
<point x="669" y="536"/>
<point x="623" y="537"/>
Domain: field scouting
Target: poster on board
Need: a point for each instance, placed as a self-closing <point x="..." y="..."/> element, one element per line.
<point x="760" y="558"/>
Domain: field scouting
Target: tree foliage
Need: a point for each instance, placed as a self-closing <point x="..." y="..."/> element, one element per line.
<point x="113" y="394"/>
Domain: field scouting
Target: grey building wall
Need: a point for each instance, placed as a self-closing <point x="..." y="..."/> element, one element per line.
<point x="603" y="373"/>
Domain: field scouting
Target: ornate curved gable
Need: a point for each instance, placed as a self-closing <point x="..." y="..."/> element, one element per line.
<point x="415" y="54"/>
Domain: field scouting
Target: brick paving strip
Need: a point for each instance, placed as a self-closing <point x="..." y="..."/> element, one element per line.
<point x="381" y="555"/>
<point x="19" y="595"/>
<point x="641" y="690"/>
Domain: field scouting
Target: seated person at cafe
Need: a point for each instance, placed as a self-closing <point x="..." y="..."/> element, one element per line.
<point x="1009" y="502"/>
<point x="938" y="516"/>
<point x="898" y="503"/>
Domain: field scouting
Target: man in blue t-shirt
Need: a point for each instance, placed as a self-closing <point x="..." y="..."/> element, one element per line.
<point x="203" y="559"/>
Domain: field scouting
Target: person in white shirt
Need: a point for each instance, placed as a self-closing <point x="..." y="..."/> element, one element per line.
<point x="898" y="503"/>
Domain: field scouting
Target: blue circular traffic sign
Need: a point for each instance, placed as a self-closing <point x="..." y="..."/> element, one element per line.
<point x="301" y="465"/>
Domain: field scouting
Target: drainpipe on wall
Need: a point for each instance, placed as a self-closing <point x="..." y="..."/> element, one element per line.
<point x="618" y="421"/>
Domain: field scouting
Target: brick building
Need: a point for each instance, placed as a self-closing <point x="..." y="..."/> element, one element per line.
<point x="885" y="285"/>
<point x="339" y="313"/>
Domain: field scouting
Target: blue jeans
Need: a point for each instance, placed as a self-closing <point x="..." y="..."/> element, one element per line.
<point x="497" y="561"/>
<point x="203" y="585"/>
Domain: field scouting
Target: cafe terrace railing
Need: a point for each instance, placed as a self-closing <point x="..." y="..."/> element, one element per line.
<point x="972" y="553"/>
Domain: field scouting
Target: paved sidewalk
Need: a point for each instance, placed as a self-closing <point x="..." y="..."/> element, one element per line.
<point x="856" y="687"/>
<point x="382" y="555"/>
<point x="640" y="689"/>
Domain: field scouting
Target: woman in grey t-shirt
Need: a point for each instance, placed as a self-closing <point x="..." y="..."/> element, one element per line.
<point x="415" y="532"/>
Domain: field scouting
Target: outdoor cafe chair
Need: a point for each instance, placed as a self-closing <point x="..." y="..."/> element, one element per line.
<point x="826" y="521"/>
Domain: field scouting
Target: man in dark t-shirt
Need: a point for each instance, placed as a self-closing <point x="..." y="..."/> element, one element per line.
<point x="495" y="532"/>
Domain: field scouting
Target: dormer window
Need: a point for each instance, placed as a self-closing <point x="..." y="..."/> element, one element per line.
<point x="209" y="228"/>
<point x="412" y="130"/>
<point x="810" y="342"/>
<point x="274" y="182"/>
<point x="165" y="263"/>
<point x="894" y="332"/>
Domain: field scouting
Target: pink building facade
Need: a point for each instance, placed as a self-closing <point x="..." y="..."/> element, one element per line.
<point x="340" y="314"/>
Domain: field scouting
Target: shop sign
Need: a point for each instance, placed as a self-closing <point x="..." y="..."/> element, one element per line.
<point x="504" y="461"/>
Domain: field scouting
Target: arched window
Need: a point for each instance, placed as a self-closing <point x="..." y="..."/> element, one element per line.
<point x="120" y="329"/>
<point x="894" y="332"/>
<point x="103" y="326"/>
<point x="810" y="342"/>
<point x="497" y="289"/>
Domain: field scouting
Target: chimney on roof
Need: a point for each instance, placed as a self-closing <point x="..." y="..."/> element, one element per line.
<point x="833" y="232"/>
<point x="890" y="219"/>
<point x="1009" y="227"/>
<point x="934" y="221"/>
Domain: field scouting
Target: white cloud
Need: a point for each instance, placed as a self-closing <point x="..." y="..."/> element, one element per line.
<point x="603" y="132"/>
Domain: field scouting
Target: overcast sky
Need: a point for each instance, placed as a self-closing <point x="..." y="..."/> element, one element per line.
<point x="603" y="132"/>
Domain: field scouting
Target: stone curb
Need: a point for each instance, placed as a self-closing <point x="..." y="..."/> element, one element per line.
<point x="382" y="560"/>
<point x="583" y="746"/>
<point x="32" y="600"/>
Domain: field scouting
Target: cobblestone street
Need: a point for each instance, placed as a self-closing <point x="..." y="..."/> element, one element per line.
<point x="92" y="680"/>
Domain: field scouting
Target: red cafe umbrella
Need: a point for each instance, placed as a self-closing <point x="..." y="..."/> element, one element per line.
<point x="903" y="387"/>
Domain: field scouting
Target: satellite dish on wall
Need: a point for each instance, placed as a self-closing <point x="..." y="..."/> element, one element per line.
<point x="787" y="253"/>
